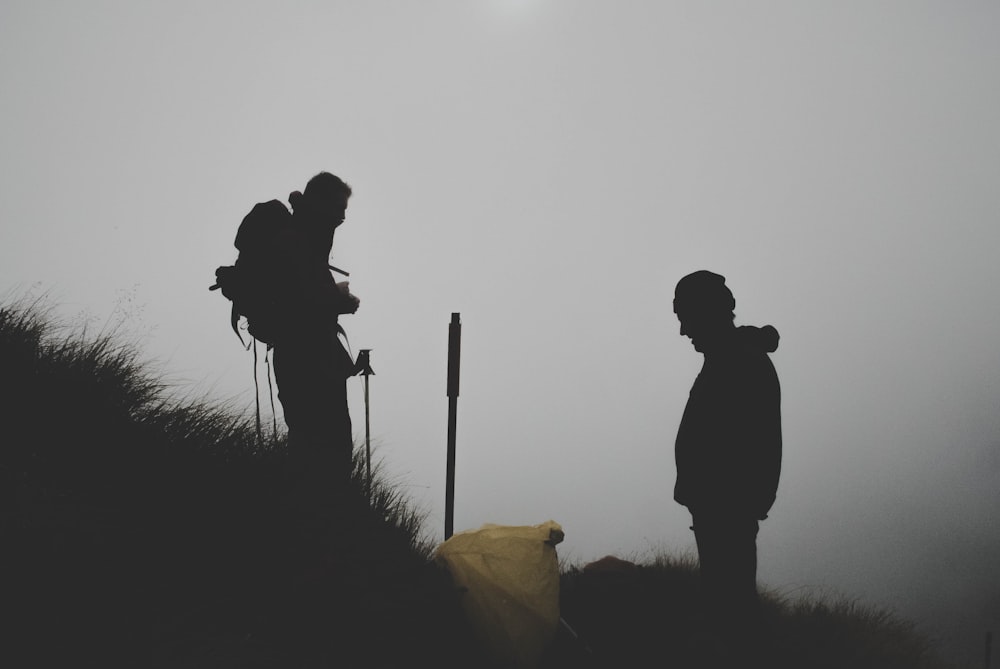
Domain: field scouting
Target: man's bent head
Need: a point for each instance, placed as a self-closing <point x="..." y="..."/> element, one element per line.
<point x="704" y="306"/>
<point x="324" y="199"/>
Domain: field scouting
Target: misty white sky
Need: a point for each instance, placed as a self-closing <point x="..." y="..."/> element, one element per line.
<point x="550" y="169"/>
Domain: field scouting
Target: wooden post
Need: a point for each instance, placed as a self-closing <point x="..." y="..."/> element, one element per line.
<point x="454" y="355"/>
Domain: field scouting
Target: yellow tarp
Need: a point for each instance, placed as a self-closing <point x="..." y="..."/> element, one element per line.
<point x="511" y="578"/>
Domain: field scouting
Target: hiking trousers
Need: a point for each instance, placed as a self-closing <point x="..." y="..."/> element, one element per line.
<point x="727" y="557"/>
<point x="312" y="387"/>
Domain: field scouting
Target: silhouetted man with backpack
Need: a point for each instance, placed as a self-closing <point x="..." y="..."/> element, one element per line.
<point x="728" y="455"/>
<point x="282" y="284"/>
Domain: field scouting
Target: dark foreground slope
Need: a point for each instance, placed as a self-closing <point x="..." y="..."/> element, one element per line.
<point x="138" y="530"/>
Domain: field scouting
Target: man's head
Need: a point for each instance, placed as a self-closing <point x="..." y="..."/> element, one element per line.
<point x="704" y="306"/>
<point x="324" y="200"/>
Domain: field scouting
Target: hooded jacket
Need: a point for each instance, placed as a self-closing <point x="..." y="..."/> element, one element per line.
<point x="728" y="448"/>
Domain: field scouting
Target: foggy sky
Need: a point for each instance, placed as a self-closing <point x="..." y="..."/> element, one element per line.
<point x="549" y="169"/>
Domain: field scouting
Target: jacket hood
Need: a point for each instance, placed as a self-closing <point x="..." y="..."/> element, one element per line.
<point x="763" y="339"/>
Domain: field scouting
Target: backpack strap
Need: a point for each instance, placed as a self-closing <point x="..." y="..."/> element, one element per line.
<point x="234" y="320"/>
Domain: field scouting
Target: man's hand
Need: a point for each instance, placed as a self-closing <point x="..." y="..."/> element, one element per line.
<point x="350" y="303"/>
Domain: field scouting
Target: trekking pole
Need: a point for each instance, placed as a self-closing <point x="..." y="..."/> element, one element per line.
<point x="364" y="366"/>
<point x="454" y="355"/>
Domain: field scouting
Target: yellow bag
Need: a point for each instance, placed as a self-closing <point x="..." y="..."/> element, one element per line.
<point x="511" y="578"/>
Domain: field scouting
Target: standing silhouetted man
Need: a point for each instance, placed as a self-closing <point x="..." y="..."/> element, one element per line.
<point x="728" y="453"/>
<point x="311" y="365"/>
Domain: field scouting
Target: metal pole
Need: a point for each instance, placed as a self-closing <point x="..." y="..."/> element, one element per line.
<point x="364" y="367"/>
<point x="454" y="356"/>
<point x="368" y="444"/>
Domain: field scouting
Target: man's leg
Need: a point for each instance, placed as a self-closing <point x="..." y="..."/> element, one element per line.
<point x="727" y="555"/>
<point x="317" y="482"/>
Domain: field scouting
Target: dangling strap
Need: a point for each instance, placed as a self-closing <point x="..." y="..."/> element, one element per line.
<point x="342" y="331"/>
<point x="234" y="320"/>
<point x="256" y="390"/>
<point x="270" y="388"/>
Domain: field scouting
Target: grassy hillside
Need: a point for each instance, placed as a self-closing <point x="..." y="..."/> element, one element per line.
<point x="634" y="612"/>
<point x="139" y="529"/>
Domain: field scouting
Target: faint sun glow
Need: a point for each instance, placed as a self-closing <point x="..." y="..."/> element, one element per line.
<point x="515" y="9"/>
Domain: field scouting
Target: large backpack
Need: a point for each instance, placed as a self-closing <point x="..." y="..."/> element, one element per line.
<point x="254" y="284"/>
